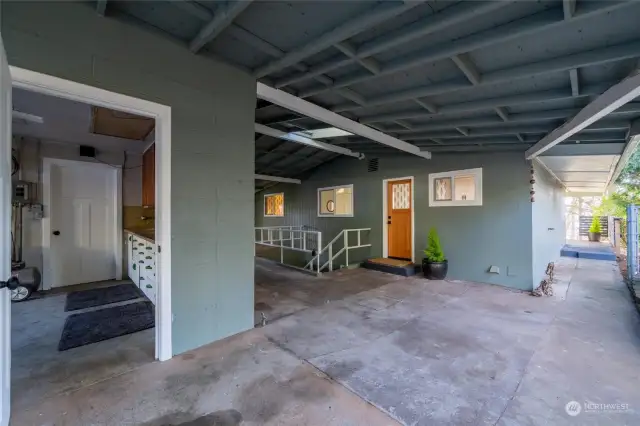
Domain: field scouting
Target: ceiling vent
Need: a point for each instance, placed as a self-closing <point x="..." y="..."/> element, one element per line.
<point x="372" y="165"/>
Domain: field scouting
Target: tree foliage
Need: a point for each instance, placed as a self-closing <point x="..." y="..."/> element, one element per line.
<point x="627" y="190"/>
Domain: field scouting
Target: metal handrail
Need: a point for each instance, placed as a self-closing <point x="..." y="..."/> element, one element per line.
<point x="345" y="249"/>
<point x="295" y="236"/>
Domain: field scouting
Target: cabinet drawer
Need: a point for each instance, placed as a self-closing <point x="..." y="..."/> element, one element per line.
<point x="148" y="271"/>
<point x="148" y="287"/>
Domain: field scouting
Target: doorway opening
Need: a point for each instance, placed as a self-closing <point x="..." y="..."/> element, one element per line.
<point x="398" y="218"/>
<point x="78" y="175"/>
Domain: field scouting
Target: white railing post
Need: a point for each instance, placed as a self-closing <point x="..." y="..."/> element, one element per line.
<point x="346" y="247"/>
<point x="330" y="257"/>
<point x="319" y="238"/>
<point x="359" y="237"/>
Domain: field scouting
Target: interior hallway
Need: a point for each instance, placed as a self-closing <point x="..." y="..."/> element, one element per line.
<point x="410" y="351"/>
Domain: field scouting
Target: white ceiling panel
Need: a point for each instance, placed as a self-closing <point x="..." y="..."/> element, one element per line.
<point x="582" y="173"/>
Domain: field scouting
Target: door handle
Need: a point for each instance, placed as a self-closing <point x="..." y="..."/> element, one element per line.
<point x="56" y="232"/>
<point x="12" y="283"/>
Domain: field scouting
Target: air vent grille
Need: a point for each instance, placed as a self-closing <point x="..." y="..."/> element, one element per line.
<point x="372" y="165"/>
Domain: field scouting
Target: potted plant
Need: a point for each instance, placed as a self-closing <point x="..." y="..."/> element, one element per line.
<point x="594" y="229"/>
<point x="434" y="264"/>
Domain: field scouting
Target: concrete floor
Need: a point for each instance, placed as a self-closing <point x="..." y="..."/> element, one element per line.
<point x="38" y="370"/>
<point x="359" y="347"/>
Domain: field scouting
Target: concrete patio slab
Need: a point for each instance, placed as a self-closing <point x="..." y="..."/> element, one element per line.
<point x="377" y="349"/>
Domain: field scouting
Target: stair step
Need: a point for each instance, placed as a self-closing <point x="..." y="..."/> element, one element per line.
<point x="392" y="266"/>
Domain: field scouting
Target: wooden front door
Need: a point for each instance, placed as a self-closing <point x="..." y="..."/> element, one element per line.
<point x="399" y="209"/>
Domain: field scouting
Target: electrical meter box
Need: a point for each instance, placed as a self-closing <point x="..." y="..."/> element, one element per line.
<point x="23" y="192"/>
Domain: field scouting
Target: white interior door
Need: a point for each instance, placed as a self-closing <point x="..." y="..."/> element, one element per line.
<point x="5" y="234"/>
<point x="82" y="222"/>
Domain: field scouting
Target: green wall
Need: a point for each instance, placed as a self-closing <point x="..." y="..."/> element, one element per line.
<point x="474" y="238"/>
<point x="548" y="222"/>
<point x="212" y="184"/>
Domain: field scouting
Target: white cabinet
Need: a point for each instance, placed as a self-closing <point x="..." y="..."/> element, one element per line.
<point x="142" y="264"/>
<point x="133" y="269"/>
<point x="148" y="271"/>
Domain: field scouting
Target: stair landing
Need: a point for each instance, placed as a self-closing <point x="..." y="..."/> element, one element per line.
<point x="588" y="250"/>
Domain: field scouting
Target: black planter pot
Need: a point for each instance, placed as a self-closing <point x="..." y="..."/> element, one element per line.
<point x="435" y="270"/>
<point x="594" y="236"/>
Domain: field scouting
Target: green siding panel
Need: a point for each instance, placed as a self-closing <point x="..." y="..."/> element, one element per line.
<point x="474" y="238"/>
<point x="212" y="109"/>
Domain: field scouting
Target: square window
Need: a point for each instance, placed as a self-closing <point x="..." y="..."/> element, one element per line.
<point x="456" y="188"/>
<point x="464" y="188"/>
<point x="335" y="201"/>
<point x="442" y="189"/>
<point x="274" y="205"/>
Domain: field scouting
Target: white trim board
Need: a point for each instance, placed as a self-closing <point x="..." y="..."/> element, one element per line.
<point x="66" y="89"/>
<point x="277" y="179"/>
<point x="47" y="273"/>
<point x="385" y="226"/>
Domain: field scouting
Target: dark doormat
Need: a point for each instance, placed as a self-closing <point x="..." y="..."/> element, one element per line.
<point x="95" y="326"/>
<point x="101" y="296"/>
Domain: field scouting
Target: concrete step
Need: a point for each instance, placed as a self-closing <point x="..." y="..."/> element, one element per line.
<point x="392" y="266"/>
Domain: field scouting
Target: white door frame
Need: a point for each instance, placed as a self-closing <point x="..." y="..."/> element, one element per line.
<point x="46" y="84"/>
<point x="47" y="270"/>
<point x="5" y="239"/>
<point x="385" y="226"/>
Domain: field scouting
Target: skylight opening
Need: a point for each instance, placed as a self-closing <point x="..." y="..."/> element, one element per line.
<point x="329" y="132"/>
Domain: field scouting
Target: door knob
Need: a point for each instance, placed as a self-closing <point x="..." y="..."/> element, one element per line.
<point x="56" y="232"/>
<point x="12" y="283"/>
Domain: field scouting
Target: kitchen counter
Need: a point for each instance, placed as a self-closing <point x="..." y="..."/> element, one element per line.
<point x="147" y="234"/>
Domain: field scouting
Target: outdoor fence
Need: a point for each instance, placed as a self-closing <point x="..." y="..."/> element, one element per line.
<point x="585" y="224"/>
<point x="632" y="242"/>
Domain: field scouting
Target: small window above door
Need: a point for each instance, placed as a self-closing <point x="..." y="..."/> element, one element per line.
<point x="456" y="188"/>
<point x="335" y="201"/>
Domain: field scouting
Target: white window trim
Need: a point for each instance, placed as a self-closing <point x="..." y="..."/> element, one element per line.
<point x="264" y="205"/>
<point x="353" y="207"/>
<point x="476" y="173"/>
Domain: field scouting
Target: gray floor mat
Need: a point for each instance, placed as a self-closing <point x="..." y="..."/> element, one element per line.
<point x="94" y="326"/>
<point x="101" y="296"/>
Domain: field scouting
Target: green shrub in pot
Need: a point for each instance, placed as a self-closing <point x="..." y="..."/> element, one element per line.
<point x="434" y="264"/>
